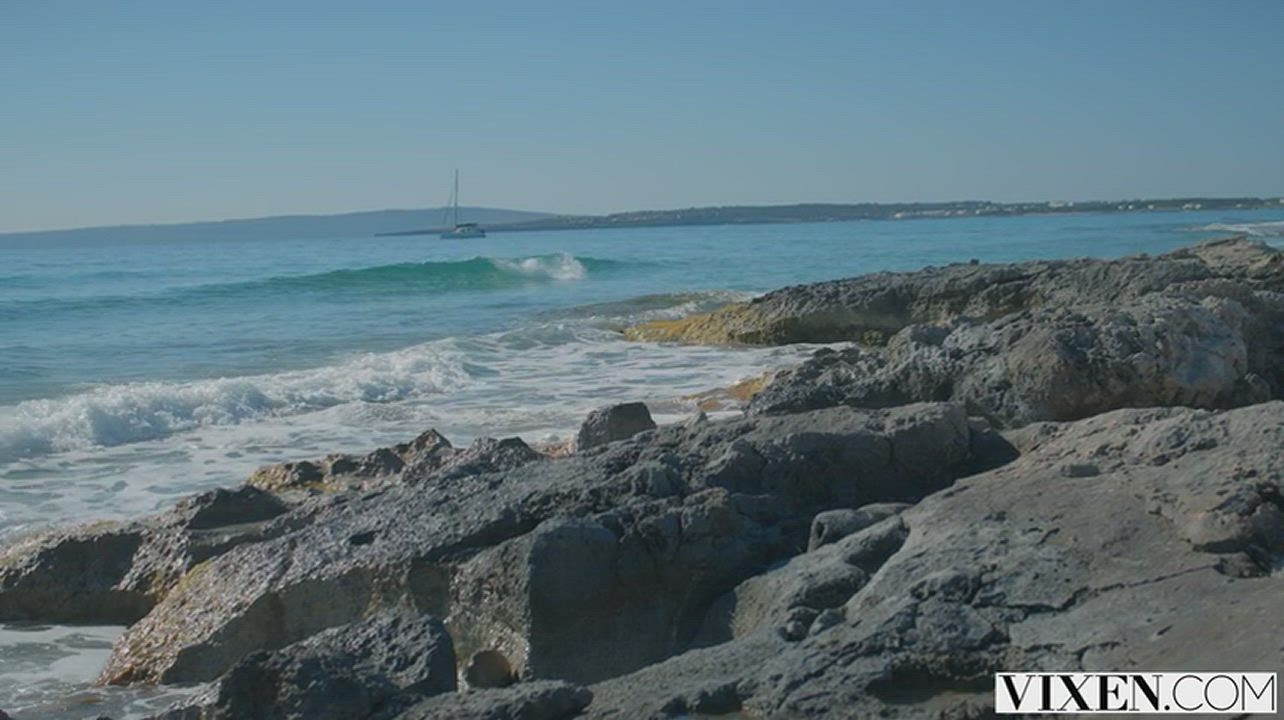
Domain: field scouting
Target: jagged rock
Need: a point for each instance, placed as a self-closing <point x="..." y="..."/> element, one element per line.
<point x="603" y="543"/>
<point x="539" y="596"/>
<point x="201" y="527"/>
<point x="1052" y="363"/>
<point x="542" y="700"/>
<point x="872" y="308"/>
<point x="115" y="573"/>
<point x="834" y="525"/>
<point x="616" y="422"/>
<point x="72" y="576"/>
<point x="768" y="565"/>
<point x="1167" y="557"/>
<point x="345" y="673"/>
<point x="427" y="457"/>
<point x="485" y="455"/>
<point x="555" y="447"/>
<point x="337" y="472"/>
<point x="790" y="598"/>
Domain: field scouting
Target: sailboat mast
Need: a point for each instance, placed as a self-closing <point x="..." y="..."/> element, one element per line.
<point x="456" y="196"/>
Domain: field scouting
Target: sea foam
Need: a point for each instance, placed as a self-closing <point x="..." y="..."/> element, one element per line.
<point x="560" y="266"/>
<point x="120" y="414"/>
<point x="1257" y="229"/>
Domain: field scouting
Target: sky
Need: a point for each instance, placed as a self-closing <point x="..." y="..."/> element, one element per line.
<point x="162" y="111"/>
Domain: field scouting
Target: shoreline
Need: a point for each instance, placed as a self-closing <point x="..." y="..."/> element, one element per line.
<point x="884" y="519"/>
<point x="836" y="213"/>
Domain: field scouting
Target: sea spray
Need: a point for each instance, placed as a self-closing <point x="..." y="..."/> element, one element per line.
<point x="1256" y="229"/>
<point x="119" y="414"/>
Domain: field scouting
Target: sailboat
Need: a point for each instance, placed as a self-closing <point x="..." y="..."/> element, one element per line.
<point x="461" y="230"/>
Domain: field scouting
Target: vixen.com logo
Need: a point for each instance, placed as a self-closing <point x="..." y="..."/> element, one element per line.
<point x="1170" y="693"/>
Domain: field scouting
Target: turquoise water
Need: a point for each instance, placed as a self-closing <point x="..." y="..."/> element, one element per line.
<point x="134" y="372"/>
<point x="126" y="363"/>
<point x="74" y="315"/>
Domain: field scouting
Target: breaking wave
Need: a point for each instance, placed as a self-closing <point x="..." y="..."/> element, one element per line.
<point x="136" y="412"/>
<point x="1258" y="229"/>
<point x="426" y="278"/>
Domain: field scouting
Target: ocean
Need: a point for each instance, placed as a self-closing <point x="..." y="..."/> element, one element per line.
<point x="133" y="372"/>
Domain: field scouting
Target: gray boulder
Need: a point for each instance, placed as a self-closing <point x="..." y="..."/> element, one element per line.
<point x="616" y="422"/>
<point x="115" y="573"/>
<point x="338" y="472"/>
<point x="529" y="561"/>
<point x="541" y="700"/>
<point x="346" y="673"/>
<point x="485" y="455"/>
<point x="1053" y="363"/>
<point x="872" y="308"/>
<point x="73" y="576"/>
<point x="1166" y="557"/>
<point x="426" y="457"/>
<point x="834" y="525"/>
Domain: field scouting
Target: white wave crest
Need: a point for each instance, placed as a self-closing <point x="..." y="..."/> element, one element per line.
<point x="1258" y="229"/>
<point x="135" y="412"/>
<point x="561" y="266"/>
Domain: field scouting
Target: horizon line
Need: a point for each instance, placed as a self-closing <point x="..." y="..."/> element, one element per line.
<point x="344" y="213"/>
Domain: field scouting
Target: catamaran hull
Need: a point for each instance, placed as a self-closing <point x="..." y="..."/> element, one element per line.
<point x="465" y="233"/>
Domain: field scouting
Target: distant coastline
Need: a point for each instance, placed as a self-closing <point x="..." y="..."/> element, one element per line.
<point x="821" y="212"/>
<point x="427" y="221"/>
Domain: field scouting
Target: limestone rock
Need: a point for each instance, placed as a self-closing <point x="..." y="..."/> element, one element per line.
<point x="345" y="673"/>
<point x="485" y="455"/>
<point x="335" y="472"/>
<point x="72" y="576"/>
<point x="616" y="422"/>
<point x="115" y="573"/>
<point x="1167" y="557"/>
<point x="872" y="308"/>
<point x="834" y="525"/>
<point x="543" y="700"/>
<point x="517" y="560"/>
<point x="1051" y="364"/>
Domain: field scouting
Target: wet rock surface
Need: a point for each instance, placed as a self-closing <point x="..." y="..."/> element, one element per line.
<point x="1049" y="466"/>
<point x="115" y="572"/>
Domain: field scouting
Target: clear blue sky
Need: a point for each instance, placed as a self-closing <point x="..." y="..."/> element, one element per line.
<point x="122" y="112"/>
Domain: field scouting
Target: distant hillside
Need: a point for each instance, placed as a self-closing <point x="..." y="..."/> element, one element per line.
<point x="283" y="227"/>
<point x="815" y="212"/>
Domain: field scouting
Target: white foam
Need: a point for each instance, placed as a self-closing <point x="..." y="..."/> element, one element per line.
<point x="47" y="671"/>
<point x="125" y="451"/>
<point x="1259" y="229"/>
<point x="537" y="383"/>
<point x="561" y="266"/>
<point x="121" y="414"/>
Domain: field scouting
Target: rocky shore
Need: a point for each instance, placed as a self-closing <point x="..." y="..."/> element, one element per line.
<point x="1045" y="466"/>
